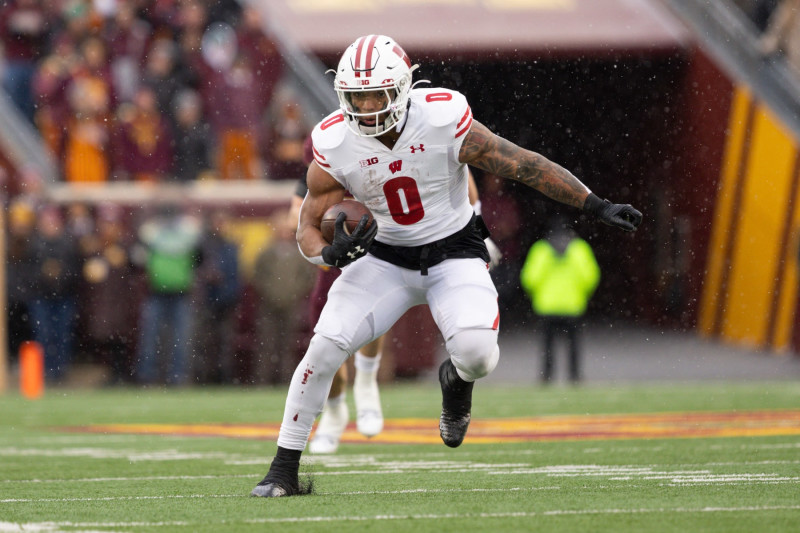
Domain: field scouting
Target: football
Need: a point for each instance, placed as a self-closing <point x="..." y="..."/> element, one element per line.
<point x="354" y="211"/>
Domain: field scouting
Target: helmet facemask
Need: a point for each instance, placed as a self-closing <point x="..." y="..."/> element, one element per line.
<point x="374" y="63"/>
<point x="385" y="119"/>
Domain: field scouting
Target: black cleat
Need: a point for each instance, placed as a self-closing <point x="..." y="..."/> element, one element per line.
<point x="280" y="481"/>
<point x="456" y="405"/>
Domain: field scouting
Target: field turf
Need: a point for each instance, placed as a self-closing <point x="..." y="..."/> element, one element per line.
<point x="623" y="458"/>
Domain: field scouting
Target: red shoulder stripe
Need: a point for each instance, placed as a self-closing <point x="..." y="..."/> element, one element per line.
<point x="465" y="129"/>
<point x="467" y="114"/>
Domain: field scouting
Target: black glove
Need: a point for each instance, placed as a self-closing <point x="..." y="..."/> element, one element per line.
<point x="623" y="216"/>
<point x="347" y="248"/>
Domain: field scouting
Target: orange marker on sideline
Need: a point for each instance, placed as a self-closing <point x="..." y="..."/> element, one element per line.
<point x="31" y="369"/>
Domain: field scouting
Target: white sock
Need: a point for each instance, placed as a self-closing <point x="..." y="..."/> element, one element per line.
<point x="367" y="365"/>
<point x="334" y="402"/>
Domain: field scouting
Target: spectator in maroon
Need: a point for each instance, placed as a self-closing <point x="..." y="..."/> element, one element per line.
<point x="143" y="140"/>
<point x="94" y="66"/>
<point x="501" y="212"/>
<point x="162" y="14"/>
<point x="49" y="91"/>
<point x="24" y="30"/>
<point x="236" y="113"/>
<point x="107" y="273"/>
<point x="261" y="52"/>
<point x="287" y="132"/>
<point x="127" y="37"/>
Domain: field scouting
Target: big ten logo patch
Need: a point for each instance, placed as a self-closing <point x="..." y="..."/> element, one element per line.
<point x="368" y="162"/>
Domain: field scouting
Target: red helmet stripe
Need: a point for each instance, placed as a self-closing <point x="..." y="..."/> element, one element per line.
<point x="357" y="66"/>
<point x="370" y="49"/>
<point x="400" y="52"/>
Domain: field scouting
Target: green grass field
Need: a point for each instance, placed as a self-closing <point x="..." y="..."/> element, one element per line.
<point x="583" y="474"/>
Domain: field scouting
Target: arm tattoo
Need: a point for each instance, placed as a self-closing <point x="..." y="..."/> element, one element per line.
<point x="494" y="154"/>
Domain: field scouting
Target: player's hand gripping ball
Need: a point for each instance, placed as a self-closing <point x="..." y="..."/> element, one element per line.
<point x="350" y="228"/>
<point x="352" y="209"/>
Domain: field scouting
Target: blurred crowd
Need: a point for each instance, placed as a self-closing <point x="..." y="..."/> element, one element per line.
<point x="151" y="90"/>
<point x="164" y="293"/>
<point x="154" y="296"/>
<point x="163" y="92"/>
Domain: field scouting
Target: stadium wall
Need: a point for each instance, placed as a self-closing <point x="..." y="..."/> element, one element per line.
<point x="750" y="286"/>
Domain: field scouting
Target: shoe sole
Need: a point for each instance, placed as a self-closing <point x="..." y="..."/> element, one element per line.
<point x="270" y="490"/>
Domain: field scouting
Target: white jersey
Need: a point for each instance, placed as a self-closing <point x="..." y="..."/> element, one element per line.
<point x="418" y="191"/>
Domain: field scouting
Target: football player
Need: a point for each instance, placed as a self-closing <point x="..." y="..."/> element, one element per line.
<point x="369" y="414"/>
<point x="403" y="152"/>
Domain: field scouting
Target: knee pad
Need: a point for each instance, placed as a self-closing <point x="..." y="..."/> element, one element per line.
<point x="324" y="356"/>
<point x="474" y="352"/>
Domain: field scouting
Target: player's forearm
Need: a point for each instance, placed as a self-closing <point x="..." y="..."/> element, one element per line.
<point x="501" y="157"/>
<point x="550" y="179"/>
<point x="311" y="243"/>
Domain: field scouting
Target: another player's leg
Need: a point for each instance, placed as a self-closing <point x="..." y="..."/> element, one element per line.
<point x="334" y="418"/>
<point x="369" y="415"/>
<point x="308" y="389"/>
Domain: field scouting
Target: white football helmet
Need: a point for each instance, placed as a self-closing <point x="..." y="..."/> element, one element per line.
<point x="374" y="63"/>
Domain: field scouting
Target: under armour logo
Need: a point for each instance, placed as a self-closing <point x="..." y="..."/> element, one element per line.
<point x="356" y="253"/>
<point x="421" y="148"/>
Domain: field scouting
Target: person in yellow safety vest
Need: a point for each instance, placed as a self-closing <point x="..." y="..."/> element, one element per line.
<point x="560" y="275"/>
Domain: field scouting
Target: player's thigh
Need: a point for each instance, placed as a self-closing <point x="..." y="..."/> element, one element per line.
<point x="364" y="302"/>
<point x="461" y="295"/>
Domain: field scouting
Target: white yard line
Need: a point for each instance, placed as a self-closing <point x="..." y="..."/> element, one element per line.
<point x="244" y="495"/>
<point x="118" y="498"/>
<point x="128" y="478"/>
<point x="49" y="527"/>
<point x="112" y="453"/>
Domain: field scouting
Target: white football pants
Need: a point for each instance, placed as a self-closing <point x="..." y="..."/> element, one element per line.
<point x="366" y="301"/>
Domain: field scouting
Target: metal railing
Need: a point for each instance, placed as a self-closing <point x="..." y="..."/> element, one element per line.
<point x="22" y="144"/>
<point x="732" y="39"/>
